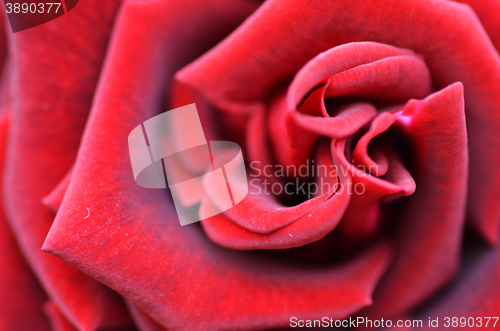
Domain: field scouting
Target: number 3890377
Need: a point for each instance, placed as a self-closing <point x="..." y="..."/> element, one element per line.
<point x="24" y="8"/>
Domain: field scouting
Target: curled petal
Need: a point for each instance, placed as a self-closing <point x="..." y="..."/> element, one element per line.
<point x="135" y="244"/>
<point x="294" y="133"/>
<point x="259" y="55"/>
<point x="361" y="219"/>
<point x="360" y="154"/>
<point x="394" y="78"/>
<point x="430" y="229"/>
<point x="265" y="224"/>
<point x="357" y="69"/>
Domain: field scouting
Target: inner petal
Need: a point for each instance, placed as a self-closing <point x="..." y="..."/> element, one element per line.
<point x="395" y="78"/>
<point x="260" y="212"/>
<point x="362" y="216"/>
<point x="360" y="155"/>
<point x="365" y="70"/>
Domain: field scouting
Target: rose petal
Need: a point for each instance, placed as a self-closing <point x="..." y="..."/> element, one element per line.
<point x="142" y="320"/>
<point x="53" y="89"/>
<point x="258" y="147"/>
<point x="134" y="242"/>
<point x="292" y="144"/>
<point x="294" y="134"/>
<point x="430" y="230"/>
<point x="265" y="224"/>
<point x="317" y="71"/>
<point x="360" y="154"/>
<point x="54" y="199"/>
<point x="21" y="295"/>
<point x="57" y="319"/>
<point x="395" y="78"/>
<point x="269" y="49"/>
<point x="180" y="96"/>
<point x="323" y="69"/>
<point x="474" y="295"/>
<point x="361" y="219"/>
<point x="488" y="12"/>
<point x="351" y="69"/>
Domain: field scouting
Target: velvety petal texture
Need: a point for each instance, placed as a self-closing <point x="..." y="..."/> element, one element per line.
<point x="487" y="12"/>
<point x="20" y="293"/>
<point x="168" y="271"/>
<point x="430" y="232"/>
<point x="57" y="319"/>
<point x="142" y="320"/>
<point x="52" y="101"/>
<point x="391" y="108"/>
<point x="475" y="294"/>
<point x="260" y="222"/>
<point x="271" y="53"/>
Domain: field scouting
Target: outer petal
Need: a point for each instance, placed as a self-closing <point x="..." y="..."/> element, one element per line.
<point x="430" y="229"/>
<point x="142" y="320"/>
<point x="21" y="295"/>
<point x="488" y="12"/>
<point x="54" y="199"/>
<point x="133" y="242"/>
<point x="57" y="319"/>
<point x="243" y="69"/>
<point x="475" y="294"/>
<point x="54" y="73"/>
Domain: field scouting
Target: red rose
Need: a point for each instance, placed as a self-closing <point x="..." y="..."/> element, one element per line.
<point x="399" y="98"/>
